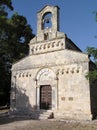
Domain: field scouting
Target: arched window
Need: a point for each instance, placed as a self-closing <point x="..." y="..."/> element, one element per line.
<point x="46" y="21"/>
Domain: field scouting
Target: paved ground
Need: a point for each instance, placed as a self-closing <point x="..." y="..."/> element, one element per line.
<point x="13" y="123"/>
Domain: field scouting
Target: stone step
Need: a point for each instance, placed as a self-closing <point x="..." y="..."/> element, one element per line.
<point x="46" y="115"/>
<point x="41" y="114"/>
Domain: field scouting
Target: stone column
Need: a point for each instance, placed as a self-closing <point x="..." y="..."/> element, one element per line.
<point x="57" y="92"/>
<point x="13" y="93"/>
<point x="38" y="97"/>
<point x="55" y="95"/>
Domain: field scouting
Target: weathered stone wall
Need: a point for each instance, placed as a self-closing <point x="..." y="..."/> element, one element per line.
<point x="51" y="63"/>
<point x="71" y="85"/>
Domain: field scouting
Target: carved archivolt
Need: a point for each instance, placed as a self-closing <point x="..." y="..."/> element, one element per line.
<point x="45" y="74"/>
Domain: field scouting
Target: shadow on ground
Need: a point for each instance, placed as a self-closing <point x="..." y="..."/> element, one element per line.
<point x="5" y="118"/>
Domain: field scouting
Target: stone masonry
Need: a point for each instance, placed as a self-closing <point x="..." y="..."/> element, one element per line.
<point x="53" y="76"/>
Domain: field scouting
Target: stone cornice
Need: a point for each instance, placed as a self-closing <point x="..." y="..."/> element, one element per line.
<point x="58" y="70"/>
<point x="47" y="46"/>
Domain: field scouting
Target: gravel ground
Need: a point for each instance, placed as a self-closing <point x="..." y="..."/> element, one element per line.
<point x="17" y="123"/>
<point x="7" y="123"/>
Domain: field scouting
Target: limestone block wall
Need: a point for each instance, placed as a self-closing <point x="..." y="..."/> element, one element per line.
<point x="56" y="61"/>
<point x="74" y="91"/>
<point x="52" y="58"/>
<point x="71" y="92"/>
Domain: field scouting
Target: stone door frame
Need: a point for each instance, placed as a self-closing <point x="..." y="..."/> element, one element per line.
<point x="53" y="82"/>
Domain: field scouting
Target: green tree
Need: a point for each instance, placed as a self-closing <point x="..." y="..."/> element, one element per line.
<point x="92" y="51"/>
<point x="15" y="34"/>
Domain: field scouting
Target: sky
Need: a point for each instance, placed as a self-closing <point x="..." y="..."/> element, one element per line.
<point x="77" y="18"/>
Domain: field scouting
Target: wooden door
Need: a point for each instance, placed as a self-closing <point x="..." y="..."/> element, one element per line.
<point x="45" y="97"/>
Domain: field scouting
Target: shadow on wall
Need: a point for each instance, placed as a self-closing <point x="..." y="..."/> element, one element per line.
<point x="20" y="105"/>
<point x="93" y="98"/>
<point x="20" y="109"/>
<point x="93" y="94"/>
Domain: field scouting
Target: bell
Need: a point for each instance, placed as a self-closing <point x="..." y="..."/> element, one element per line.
<point x="47" y="20"/>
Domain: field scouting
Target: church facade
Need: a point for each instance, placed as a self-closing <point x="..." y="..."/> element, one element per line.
<point x="52" y="78"/>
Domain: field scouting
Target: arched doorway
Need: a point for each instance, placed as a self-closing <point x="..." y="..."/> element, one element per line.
<point x="45" y="97"/>
<point x="46" y="89"/>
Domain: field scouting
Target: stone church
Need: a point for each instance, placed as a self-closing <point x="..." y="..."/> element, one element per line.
<point x="51" y="80"/>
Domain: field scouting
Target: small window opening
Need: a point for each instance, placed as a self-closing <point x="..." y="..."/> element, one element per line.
<point x="46" y="36"/>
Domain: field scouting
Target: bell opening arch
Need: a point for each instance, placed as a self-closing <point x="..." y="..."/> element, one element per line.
<point x="47" y="20"/>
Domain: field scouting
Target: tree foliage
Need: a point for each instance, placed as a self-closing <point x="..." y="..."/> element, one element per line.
<point x="96" y="16"/>
<point x="15" y="34"/>
<point x="92" y="51"/>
